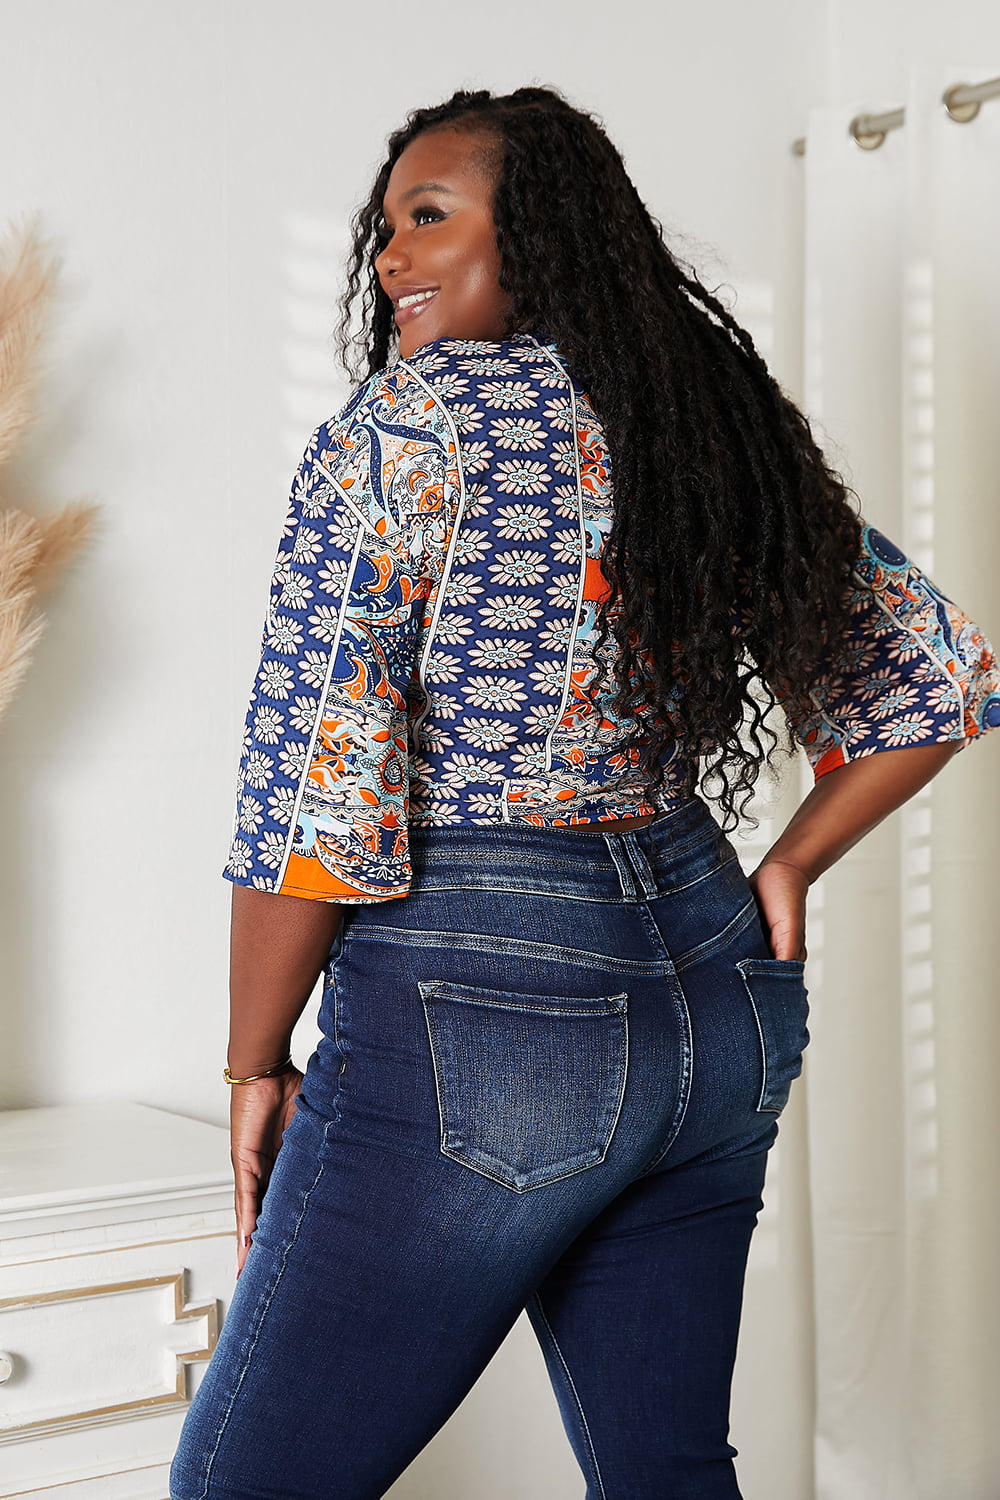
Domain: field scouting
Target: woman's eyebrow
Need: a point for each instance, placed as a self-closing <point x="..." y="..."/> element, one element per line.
<point x="427" y="187"/>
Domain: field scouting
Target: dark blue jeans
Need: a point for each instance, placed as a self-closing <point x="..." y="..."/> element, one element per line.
<point x="549" y="1077"/>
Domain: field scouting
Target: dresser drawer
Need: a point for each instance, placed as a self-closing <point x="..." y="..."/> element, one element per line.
<point x="90" y="1353"/>
<point x="132" y="1484"/>
<point x="105" y="1350"/>
<point x="117" y="1261"/>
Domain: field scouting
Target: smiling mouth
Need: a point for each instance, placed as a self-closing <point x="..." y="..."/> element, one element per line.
<point x="413" y="304"/>
<point x="415" y="297"/>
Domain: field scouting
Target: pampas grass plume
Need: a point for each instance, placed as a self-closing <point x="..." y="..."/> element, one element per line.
<point x="33" y="549"/>
<point x="27" y="280"/>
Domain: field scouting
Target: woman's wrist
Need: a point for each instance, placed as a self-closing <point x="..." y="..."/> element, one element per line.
<point x="252" y="1054"/>
<point x="775" y="856"/>
<point x="279" y="947"/>
<point x="281" y="1064"/>
<point x="847" y="803"/>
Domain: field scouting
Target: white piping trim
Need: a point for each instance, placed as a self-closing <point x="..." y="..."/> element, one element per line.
<point x="449" y="555"/>
<point x="837" y="725"/>
<point x="830" y="719"/>
<point x="924" y="648"/>
<point x="335" y="646"/>
<point x="571" y="645"/>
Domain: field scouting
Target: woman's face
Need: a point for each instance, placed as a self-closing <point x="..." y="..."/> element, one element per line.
<point x="441" y="266"/>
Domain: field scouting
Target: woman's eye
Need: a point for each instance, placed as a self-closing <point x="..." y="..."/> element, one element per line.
<point x="427" y="215"/>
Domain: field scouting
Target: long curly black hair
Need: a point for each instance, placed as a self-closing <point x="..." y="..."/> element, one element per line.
<point x="732" y="542"/>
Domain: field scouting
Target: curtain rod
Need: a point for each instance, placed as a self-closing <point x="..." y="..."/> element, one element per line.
<point x="962" y="102"/>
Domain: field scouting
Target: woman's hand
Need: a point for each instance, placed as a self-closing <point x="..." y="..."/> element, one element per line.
<point x="780" y="891"/>
<point x="279" y="947"/>
<point x="842" y="807"/>
<point x="258" y="1116"/>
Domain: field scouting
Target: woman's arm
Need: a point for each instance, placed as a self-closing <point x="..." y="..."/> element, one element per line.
<point x="909" y="660"/>
<point x="278" y="948"/>
<point x="319" y="822"/>
<point x="842" y="807"/>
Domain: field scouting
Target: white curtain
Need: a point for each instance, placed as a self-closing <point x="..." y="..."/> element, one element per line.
<point x="869" y="1364"/>
<point x="902" y="1087"/>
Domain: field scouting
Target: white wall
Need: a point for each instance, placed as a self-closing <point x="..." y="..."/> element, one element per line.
<point x="870" y="48"/>
<point x="194" y="165"/>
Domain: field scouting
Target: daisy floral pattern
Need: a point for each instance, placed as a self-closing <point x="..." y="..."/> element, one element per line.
<point x="519" y="567"/>
<point x="524" y="433"/>
<point x="432" y="626"/>
<point x="527" y="477"/>
<point x="916" y="670"/>
<point x="508" y="395"/>
<point x="494" y="692"/>
<point x="324" y="810"/>
<point x="511" y="612"/>
<point x="522" y="522"/>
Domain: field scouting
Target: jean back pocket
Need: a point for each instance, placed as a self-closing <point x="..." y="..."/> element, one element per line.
<point x="529" y="1086"/>
<point x="778" y="996"/>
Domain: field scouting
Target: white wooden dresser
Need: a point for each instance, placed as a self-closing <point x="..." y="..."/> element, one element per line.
<point x="117" y="1260"/>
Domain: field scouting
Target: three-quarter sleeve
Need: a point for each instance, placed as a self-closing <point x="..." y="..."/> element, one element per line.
<point x="915" y="670"/>
<point x="322" y="797"/>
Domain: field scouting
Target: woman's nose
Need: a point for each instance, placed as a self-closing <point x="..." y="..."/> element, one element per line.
<point x="392" y="257"/>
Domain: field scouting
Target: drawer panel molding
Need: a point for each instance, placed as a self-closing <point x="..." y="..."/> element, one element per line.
<point x="93" y="1354"/>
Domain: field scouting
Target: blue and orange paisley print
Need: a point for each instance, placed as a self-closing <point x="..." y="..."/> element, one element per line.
<point x="431" y="634"/>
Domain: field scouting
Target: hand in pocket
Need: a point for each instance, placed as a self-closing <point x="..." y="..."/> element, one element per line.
<point x="780" y="891"/>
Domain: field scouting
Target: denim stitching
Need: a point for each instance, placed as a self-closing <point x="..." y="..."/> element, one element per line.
<point x="442" y="1142"/>
<point x="595" y="1008"/>
<point x="260" y="1321"/>
<point x="687" y="1044"/>
<point x="427" y="991"/>
<point x="591" y="1453"/>
<point x="635" y="889"/>
<point x="673" y="890"/>
<point x="645" y="879"/>
<point x="486" y="859"/>
<point x="626" y="875"/>
<point x="623" y="1085"/>
<point x="761" y="1108"/>
<point x="747" y="967"/>
<point x="687" y="1074"/>
<point x="484" y="942"/>
<point x="711" y="946"/>
<point x="519" y="1187"/>
<point x="490" y="857"/>
<point x="337" y="1019"/>
<point x="425" y="886"/>
<point x="678" y="846"/>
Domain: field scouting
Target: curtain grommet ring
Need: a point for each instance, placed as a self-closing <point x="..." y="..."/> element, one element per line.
<point x="961" y="111"/>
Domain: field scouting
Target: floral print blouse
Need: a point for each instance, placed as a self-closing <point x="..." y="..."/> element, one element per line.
<point x="431" y="630"/>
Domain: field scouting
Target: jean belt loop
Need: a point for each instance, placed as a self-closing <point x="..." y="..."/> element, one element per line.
<point x="635" y="874"/>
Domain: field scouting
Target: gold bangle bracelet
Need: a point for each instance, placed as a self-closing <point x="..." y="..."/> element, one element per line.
<point x="268" y="1072"/>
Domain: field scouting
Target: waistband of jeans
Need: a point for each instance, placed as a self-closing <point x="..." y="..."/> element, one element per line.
<point x="584" y="861"/>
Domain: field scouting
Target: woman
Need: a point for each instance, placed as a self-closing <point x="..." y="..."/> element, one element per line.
<point x="550" y="1075"/>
